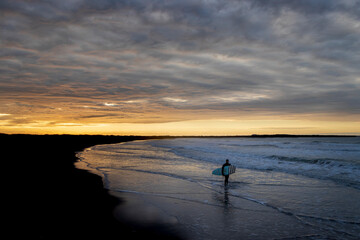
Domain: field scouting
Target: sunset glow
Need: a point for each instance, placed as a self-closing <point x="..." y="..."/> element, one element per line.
<point x="180" y="67"/>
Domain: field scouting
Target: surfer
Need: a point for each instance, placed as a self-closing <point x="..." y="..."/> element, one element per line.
<point x="222" y="172"/>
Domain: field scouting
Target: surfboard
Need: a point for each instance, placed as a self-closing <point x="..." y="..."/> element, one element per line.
<point x="227" y="170"/>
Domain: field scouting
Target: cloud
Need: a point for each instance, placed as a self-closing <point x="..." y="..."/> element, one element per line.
<point x="174" y="100"/>
<point x="179" y="57"/>
<point x="110" y="104"/>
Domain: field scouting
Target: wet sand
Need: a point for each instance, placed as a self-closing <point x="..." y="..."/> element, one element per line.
<point x="46" y="197"/>
<point x="49" y="198"/>
<point x="178" y="193"/>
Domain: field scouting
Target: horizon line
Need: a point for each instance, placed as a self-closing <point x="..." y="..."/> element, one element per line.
<point x="194" y="136"/>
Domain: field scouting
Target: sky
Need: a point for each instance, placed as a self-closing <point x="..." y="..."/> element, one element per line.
<point x="180" y="67"/>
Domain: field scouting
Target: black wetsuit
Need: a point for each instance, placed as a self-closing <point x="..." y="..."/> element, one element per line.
<point x="226" y="176"/>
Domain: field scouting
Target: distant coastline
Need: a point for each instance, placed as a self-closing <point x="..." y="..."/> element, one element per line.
<point x="298" y="136"/>
<point x="268" y="136"/>
<point x="144" y="137"/>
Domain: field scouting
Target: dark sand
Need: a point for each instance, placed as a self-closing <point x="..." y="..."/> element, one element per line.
<point x="46" y="197"/>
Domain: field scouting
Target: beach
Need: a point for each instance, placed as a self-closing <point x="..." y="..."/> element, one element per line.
<point x="111" y="187"/>
<point x="49" y="198"/>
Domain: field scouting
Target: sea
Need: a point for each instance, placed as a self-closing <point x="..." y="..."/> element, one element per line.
<point x="283" y="188"/>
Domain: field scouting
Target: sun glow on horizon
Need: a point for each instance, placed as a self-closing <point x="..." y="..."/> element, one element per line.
<point x="215" y="127"/>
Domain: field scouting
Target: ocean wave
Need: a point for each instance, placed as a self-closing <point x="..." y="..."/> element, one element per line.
<point x="320" y="161"/>
<point x="336" y="161"/>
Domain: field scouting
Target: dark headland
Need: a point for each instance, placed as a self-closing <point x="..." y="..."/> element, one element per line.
<point x="46" y="197"/>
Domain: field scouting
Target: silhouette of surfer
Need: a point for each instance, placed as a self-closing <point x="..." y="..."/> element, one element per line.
<point x="222" y="171"/>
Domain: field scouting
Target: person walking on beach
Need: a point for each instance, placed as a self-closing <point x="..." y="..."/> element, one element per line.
<point x="222" y="171"/>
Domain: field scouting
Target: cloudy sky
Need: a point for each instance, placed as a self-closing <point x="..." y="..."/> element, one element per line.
<point x="180" y="67"/>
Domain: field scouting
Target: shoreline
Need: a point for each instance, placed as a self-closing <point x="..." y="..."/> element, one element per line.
<point x="52" y="199"/>
<point x="258" y="204"/>
<point x="49" y="198"/>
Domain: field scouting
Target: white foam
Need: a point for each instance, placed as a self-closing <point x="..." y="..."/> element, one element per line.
<point x="323" y="158"/>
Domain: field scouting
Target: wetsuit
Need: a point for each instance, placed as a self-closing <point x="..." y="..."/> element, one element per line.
<point x="226" y="176"/>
